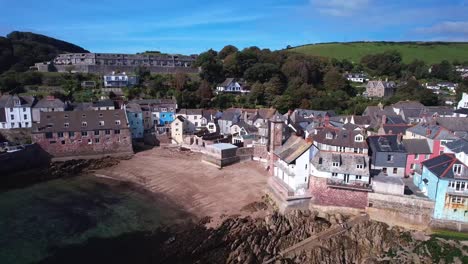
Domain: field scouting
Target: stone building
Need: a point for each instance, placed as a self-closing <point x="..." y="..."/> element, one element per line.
<point x="380" y="89"/>
<point x="78" y="134"/>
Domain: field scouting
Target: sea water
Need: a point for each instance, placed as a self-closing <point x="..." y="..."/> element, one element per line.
<point x="36" y="219"/>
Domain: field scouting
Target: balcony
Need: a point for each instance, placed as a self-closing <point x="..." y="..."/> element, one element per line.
<point x="352" y="185"/>
<point x="289" y="170"/>
<point x="454" y="191"/>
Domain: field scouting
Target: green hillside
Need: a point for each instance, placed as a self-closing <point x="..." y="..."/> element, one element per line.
<point x="429" y="52"/>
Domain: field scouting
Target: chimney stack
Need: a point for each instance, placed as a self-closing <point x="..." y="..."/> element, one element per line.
<point x="327" y="120"/>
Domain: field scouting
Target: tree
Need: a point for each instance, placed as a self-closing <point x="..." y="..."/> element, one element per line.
<point x="273" y="88"/>
<point x="227" y="50"/>
<point x="205" y="94"/>
<point x="307" y="69"/>
<point x="9" y="82"/>
<point x="333" y="81"/>
<point x="387" y="63"/>
<point x="211" y="67"/>
<point x="257" y="94"/>
<point x="416" y="68"/>
<point x="442" y="70"/>
<point x="261" y="72"/>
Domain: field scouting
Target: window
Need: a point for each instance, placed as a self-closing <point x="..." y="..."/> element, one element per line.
<point x="395" y="170"/>
<point x="412" y="166"/>
<point x="117" y="122"/>
<point x="84" y="124"/>
<point x="84" y="133"/>
<point x="329" y="135"/>
<point x="441" y="152"/>
<point x="457" y="200"/>
<point x="48" y="135"/>
<point x="90" y="141"/>
<point x="107" y="132"/>
<point x="71" y="134"/>
<point x="306" y="166"/>
<point x="117" y="131"/>
<point x="334" y="174"/>
<point x="320" y="160"/>
<point x="457" y="169"/>
<point x="101" y="123"/>
<point x="66" y="116"/>
<point x="12" y="117"/>
<point x="83" y="115"/>
<point x="25" y="116"/>
<point x="358" y="138"/>
<point x="96" y="140"/>
<point x="359" y="166"/>
<point x="96" y="132"/>
<point x="358" y="177"/>
<point x="416" y="156"/>
<point x="66" y="124"/>
<point x="63" y="142"/>
<point x="427" y="156"/>
<point x="384" y="170"/>
<point x="335" y="164"/>
<point x="100" y="114"/>
<point x="390" y="158"/>
<point x="60" y="134"/>
<point x="341" y="149"/>
<point x="24" y="109"/>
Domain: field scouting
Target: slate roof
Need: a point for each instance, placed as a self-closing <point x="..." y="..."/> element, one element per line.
<point x="8" y="101"/>
<point x="292" y="149"/>
<point x="432" y="131"/>
<point x="248" y="128"/>
<point x="231" y="116"/>
<point x="412" y="112"/>
<point x="185" y="111"/>
<point x="340" y="137"/>
<point x="395" y="129"/>
<point x="104" y="103"/>
<point x="395" y="120"/>
<point x="440" y="110"/>
<point x="408" y="104"/>
<point x="50" y="103"/>
<point x="454" y="124"/>
<point x="230" y="80"/>
<point x="55" y="121"/>
<point x="417" y="146"/>
<point x="442" y="166"/>
<point x="133" y="108"/>
<point x="348" y="162"/>
<point x="457" y="146"/>
<point x="385" y="143"/>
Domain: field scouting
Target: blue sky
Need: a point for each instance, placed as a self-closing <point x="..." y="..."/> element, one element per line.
<point x="193" y="26"/>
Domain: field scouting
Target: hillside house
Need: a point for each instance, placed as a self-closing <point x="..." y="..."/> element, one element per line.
<point x="357" y="77"/>
<point x="194" y="118"/>
<point x="436" y="136"/>
<point x="418" y="151"/>
<point x="226" y="121"/>
<point x="179" y="128"/>
<point x="15" y="111"/>
<point x="119" y="80"/>
<point x="380" y="89"/>
<point x="233" y="85"/>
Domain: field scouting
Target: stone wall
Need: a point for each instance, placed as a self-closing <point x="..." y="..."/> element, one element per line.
<point x="323" y="195"/>
<point x="401" y="210"/>
<point x="245" y="154"/>
<point x="260" y="152"/>
<point x="451" y="225"/>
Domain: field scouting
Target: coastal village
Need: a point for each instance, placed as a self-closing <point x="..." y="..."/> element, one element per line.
<point x="404" y="164"/>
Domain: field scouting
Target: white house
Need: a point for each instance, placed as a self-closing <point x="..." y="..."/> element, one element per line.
<point x="119" y="80"/>
<point x="292" y="167"/>
<point x="232" y="85"/>
<point x="357" y="77"/>
<point x="463" y="103"/>
<point x="15" y="111"/>
<point x="194" y="118"/>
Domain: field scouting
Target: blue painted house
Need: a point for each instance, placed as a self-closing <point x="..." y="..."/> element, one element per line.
<point x="162" y="112"/>
<point x="135" y="120"/>
<point x="444" y="179"/>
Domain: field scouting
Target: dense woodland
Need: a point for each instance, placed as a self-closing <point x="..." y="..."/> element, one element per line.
<point x="280" y="79"/>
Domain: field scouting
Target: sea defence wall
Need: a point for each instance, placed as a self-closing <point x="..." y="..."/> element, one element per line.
<point x="401" y="210"/>
<point x="32" y="156"/>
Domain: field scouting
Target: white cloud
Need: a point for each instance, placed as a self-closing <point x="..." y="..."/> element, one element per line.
<point x="340" y="7"/>
<point x="446" y="28"/>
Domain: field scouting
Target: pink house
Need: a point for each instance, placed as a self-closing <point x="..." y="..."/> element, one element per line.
<point x="436" y="136"/>
<point x="418" y="151"/>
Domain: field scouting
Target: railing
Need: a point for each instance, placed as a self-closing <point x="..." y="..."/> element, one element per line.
<point x="354" y="185"/>
<point x="285" y="168"/>
<point x="454" y="191"/>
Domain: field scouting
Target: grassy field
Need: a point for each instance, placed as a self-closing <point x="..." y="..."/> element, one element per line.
<point x="429" y="52"/>
<point x="450" y="235"/>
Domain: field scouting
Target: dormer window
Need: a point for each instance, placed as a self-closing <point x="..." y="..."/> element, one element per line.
<point x="329" y="135"/>
<point x="100" y="114"/>
<point x="101" y="123"/>
<point x="83" y="115"/>
<point x="66" y="116"/>
<point x="457" y="169"/>
<point x="117" y="122"/>
<point x="359" y="138"/>
<point x="66" y="124"/>
<point x="84" y="124"/>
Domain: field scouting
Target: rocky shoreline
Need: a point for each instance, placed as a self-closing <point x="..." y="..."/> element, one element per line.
<point x="256" y="240"/>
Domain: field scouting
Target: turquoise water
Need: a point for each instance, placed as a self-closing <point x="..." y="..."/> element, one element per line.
<point x="36" y="219"/>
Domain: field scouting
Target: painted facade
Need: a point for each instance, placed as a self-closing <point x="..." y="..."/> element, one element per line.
<point x="15" y="111"/>
<point x="135" y="120"/>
